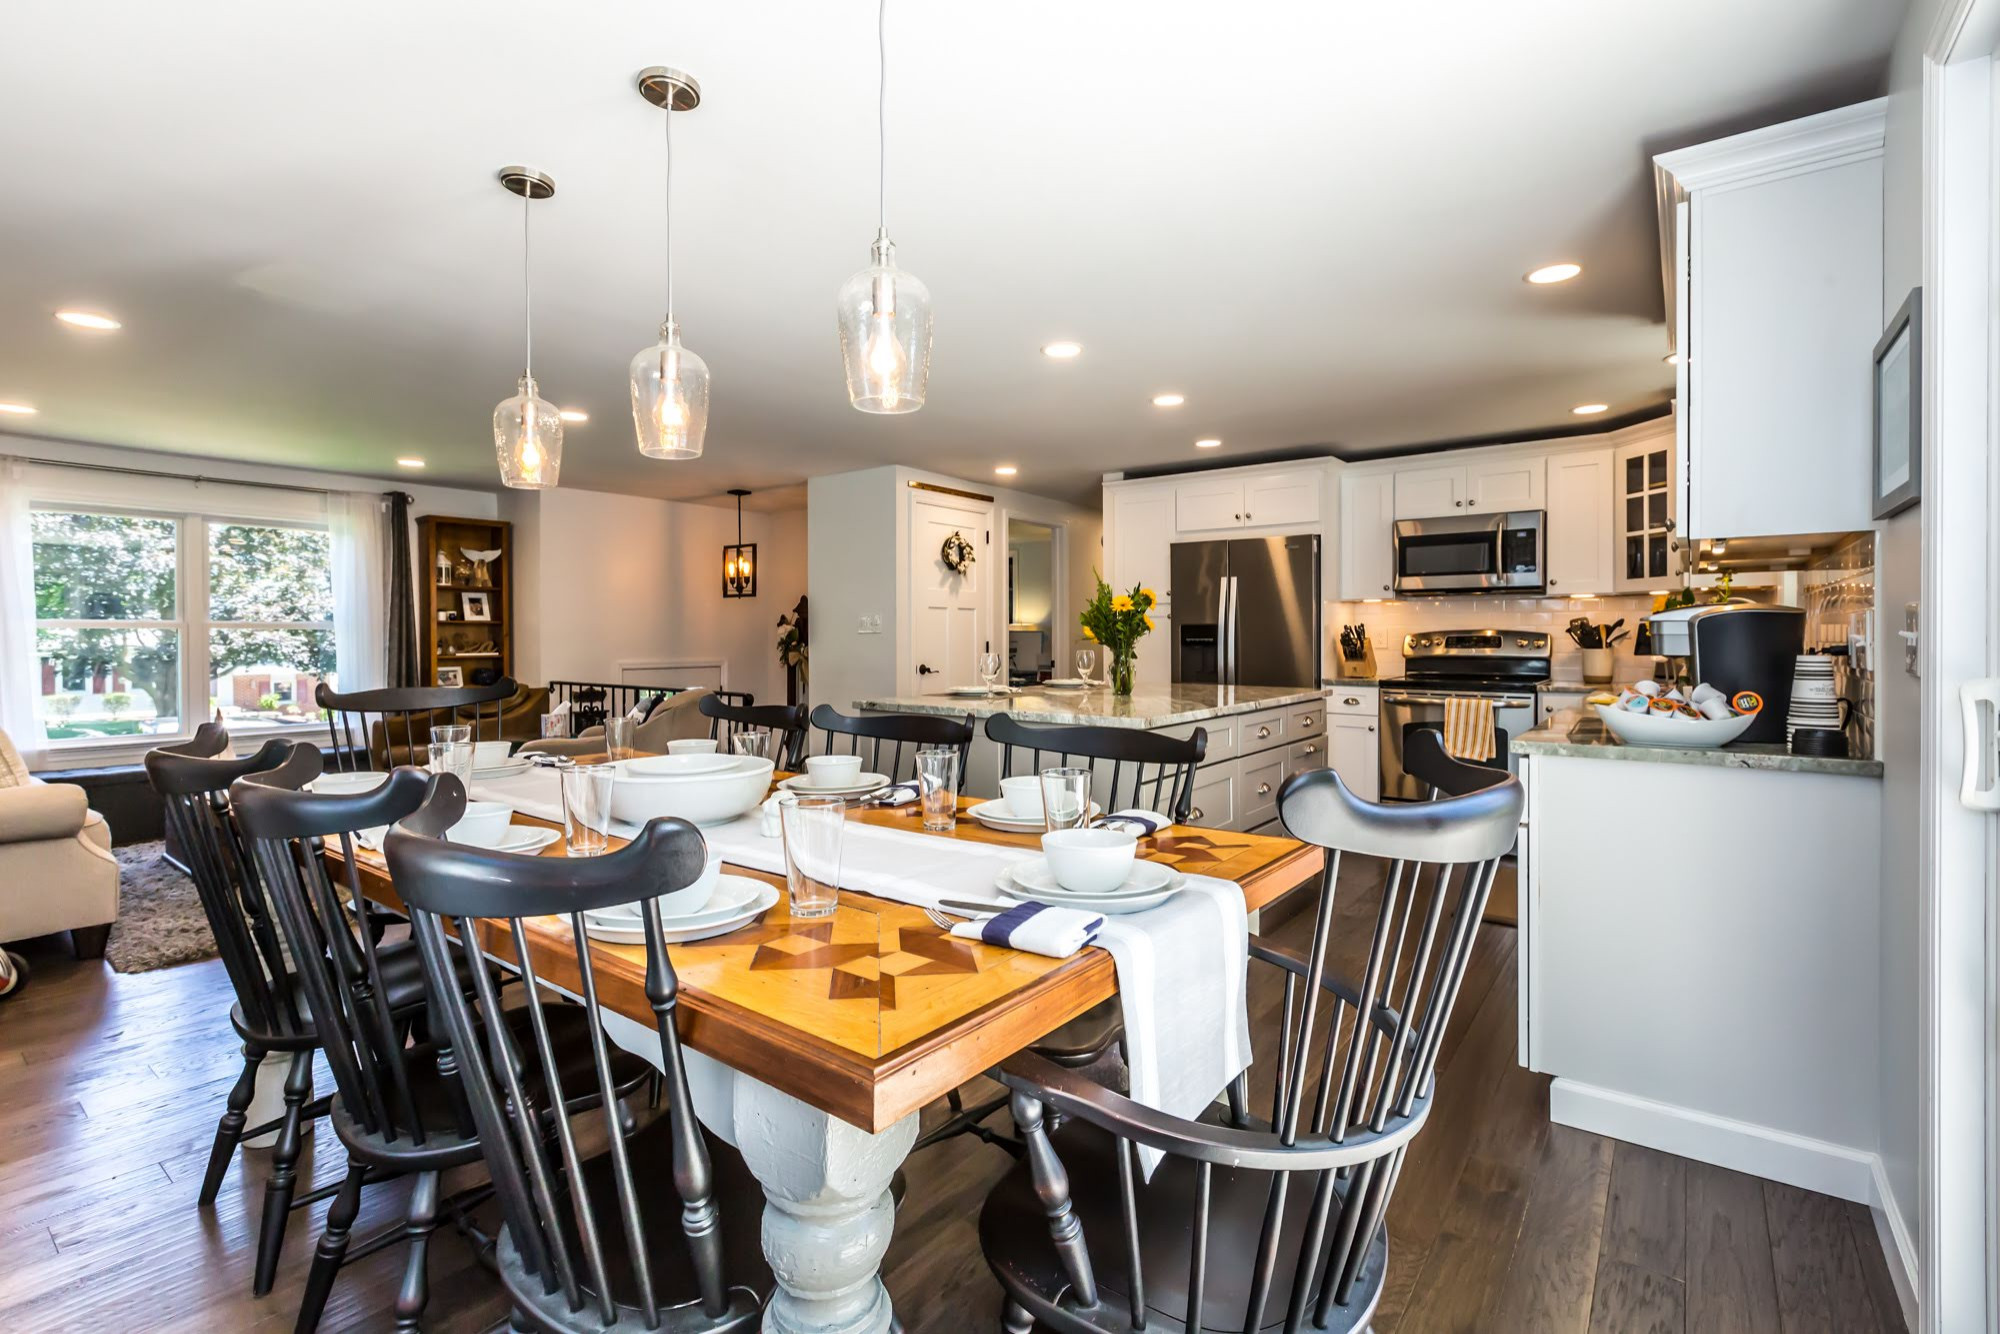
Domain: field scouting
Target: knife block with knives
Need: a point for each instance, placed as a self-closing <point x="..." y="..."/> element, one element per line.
<point x="1357" y="654"/>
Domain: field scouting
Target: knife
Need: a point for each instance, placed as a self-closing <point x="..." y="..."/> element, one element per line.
<point x="966" y="905"/>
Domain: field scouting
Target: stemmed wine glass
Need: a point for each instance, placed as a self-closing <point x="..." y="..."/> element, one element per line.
<point x="989" y="669"/>
<point x="1086" y="658"/>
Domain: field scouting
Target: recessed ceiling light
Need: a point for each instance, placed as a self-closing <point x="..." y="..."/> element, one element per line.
<point x="1005" y="470"/>
<point x="409" y="463"/>
<point x="88" y="319"/>
<point x="1168" y="400"/>
<point x="1208" y="444"/>
<point x="1672" y="358"/>
<point x="1061" y="351"/>
<point x="1590" y="409"/>
<point x="18" y="409"/>
<point x="574" y="415"/>
<point x="1554" y="273"/>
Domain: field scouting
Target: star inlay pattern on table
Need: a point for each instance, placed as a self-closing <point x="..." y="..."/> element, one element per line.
<point x="1186" y="849"/>
<point x="865" y="970"/>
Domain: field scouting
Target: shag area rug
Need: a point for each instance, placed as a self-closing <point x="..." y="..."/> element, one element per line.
<point x="160" y="922"/>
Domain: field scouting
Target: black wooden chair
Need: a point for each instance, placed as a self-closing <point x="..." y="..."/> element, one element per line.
<point x="785" y="722"/>
<point x="566" y="1210"/>
<point x="1247" y="1223"/>
<point x="1148" y="769"/>
<point x="193" y="781"/>
<point x="917" y="731"/>
<point x="398" y="1108"/>
<point x="378" y="729"/>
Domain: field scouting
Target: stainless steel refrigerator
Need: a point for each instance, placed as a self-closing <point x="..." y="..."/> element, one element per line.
<point x="1246" y="611"/>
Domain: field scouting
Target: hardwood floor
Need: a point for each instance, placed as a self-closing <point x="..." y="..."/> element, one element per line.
<point x="110" y="1087"/>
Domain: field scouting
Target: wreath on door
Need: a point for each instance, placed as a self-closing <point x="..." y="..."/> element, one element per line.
<point x="957" y="553"/>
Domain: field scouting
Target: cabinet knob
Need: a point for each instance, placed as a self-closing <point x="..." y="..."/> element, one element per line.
<point x="1195" y="815"/>
<point x="1371" y="727"/>
<point x="1351" y="701"/>
<point x="1385" y="588"/>
<point x="1263" y="733"/>
<point x="1554" y="582"/>
<point x="1247" y="516"/>
<point x="1237" y="517"/>
<point x="1312" y="750"/>
<point x="1263" y="789"/>
<point x="1459" y="503"/>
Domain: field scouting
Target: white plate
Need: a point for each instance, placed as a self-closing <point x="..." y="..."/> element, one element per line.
<point x="800" y="785"/>
<point x="737" y="900"/>
<point x="525" y="838"/>
<point x="997" y="814"/>
<point x="1067" y="683"/>
<point x="347" y="784"/>
<point x="1146" y="878"/>
<point x="1117" y="902"/>
<point x="507" y="770"/>
<point x="979" y="690"/>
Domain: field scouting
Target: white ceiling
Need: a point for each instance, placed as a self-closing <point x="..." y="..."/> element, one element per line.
<point x="1311" y="218"/>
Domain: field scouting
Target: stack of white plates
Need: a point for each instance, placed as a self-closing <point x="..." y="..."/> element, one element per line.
<point x="736" y="902"/>
<point x="1815" y="695"/>
<point x="997" y="814"/>
<point x="863" y="784"/>
<point x="1149" y="885"/>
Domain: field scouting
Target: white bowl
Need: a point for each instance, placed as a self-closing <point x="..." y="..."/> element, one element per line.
<point x="691" y="745"/>
<point x="681" y="903"/>
<point x="1673" y="730"/>
<point x="706" y="798"/>
<point x="491" y="754"/>
<point x="833" y="770"/>
<point x="346" y="785"/>
<point x="483" y="825"/>
<point x="1090" y="861"/>
<point x="1022" y="796"/>
<point x="675" y="766"/>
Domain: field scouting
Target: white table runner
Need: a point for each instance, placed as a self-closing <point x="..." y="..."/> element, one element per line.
<point x="1181" y="966"/>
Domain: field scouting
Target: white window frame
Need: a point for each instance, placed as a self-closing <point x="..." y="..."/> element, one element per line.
<point x="191" y="623"/>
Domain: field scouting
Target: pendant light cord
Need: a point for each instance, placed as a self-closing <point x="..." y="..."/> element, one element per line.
<point x="882" y="116"/>
<point x="670" y="205"/>
<point x="527" y="292"/>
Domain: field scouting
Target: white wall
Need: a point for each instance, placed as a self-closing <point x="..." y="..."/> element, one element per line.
<point x="604" y="582"/>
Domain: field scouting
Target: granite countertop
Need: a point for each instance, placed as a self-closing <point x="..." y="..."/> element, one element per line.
<point x="1146" y="707"/>
<point x="1582" y="736"/>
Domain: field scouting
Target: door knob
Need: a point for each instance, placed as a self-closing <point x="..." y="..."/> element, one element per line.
<point x="925" y="669"/>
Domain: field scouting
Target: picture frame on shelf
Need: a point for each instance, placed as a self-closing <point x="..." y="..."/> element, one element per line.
<point x="1898" y="378"/>
<point x="451" y="676"/>
<point x="476" y="606"/>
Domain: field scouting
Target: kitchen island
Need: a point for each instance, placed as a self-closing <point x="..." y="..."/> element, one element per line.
<point x="1256" y="736"/>
<point x="1698" y="949"/>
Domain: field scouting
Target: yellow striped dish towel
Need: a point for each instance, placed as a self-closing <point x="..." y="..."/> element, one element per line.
<point x="1468" y="728"/>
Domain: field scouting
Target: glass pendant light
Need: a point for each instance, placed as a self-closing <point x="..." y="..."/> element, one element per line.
<point x="669" y="383"/>
<point x="884" y="313"/>
<point x="527" y="428"/>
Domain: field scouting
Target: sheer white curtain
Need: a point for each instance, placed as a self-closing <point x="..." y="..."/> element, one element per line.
<point x="19" y="662"/>
<point x="360" y="587"/>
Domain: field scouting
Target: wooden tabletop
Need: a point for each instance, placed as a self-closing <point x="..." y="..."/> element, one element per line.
<point x="873" y="1012"/>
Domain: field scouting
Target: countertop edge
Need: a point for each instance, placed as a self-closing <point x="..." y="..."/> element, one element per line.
<point x="1041" y="708"/>
<point x="1547" y="742"/>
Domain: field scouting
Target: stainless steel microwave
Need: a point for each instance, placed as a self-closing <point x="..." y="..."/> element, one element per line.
<point x="1473" y="553"/>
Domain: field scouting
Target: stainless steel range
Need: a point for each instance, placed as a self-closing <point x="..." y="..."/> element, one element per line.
<point x="1502" y="665"/>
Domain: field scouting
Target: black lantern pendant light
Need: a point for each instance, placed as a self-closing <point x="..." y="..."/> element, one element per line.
<point x="739" y="563"/>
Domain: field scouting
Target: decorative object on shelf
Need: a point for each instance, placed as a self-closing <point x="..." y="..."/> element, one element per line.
<point x="669" y="383"/>
<point x="884" y="313"/>
<point x="482" y="566"/>
<point x="1119" y="622"/>
<point x="957" y="553"/>
<point x="1899" y="409"/>
<point x="792" y="650"/>
<point x="451" y="676"/>
<point x="527" y="429"/>
<point x="444" y="570"/>
<point x="739" y="562"/>
<point x="476" y="606"/>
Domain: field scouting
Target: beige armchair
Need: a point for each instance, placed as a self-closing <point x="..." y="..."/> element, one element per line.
<point x="56" y="868"/>
<point x="674" y="718"/>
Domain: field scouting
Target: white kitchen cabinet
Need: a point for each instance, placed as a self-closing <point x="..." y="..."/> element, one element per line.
<point x="1643" y="514"/>
<point x="1425" y="493"/>
<point x="1206" y="503"/>
<point x="1213" y="805"/>
<point x="1142" y="538"/>
<point x="1579" y="527"/>
<point x="1367" y="535"/>
<point x="1549" y="703"/>
<point x="1284" y="499"/>
<point x="1354" y="751"/>
<point x="1778" y="303"/>
<point x="1511" y="482"/>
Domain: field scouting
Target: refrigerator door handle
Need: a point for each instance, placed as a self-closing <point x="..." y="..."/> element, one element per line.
<point x="1225" y="631"/>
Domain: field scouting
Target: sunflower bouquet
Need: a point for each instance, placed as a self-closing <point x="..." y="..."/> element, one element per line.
<point x="1118" y="621"/>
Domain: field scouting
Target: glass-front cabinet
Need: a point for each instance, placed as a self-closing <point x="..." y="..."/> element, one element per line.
<point x="1643" y="495"/>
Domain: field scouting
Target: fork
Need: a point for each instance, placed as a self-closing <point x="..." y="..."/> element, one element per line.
<point x="939" y="920"/>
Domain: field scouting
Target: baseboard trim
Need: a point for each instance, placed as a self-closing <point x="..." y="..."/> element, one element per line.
<point x="1742" y="1146"/>
<point x="1898" y="1246"/>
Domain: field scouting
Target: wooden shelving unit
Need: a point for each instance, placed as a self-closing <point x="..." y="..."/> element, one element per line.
<point x="455" y="643"/>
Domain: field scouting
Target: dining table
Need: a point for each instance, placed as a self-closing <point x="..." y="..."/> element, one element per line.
<point x="813" y="1043"/>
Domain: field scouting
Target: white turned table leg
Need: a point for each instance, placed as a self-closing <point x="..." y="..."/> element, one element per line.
<point x="827" y="1212"/>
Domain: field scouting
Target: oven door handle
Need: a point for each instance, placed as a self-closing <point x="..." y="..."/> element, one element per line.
<point x="1499" y="701"/>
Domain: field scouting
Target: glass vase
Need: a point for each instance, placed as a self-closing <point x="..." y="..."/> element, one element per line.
<point x="1121" y="671"/>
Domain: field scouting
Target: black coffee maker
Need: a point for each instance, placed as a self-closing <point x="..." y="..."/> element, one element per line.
<point x="1736" y="647"/>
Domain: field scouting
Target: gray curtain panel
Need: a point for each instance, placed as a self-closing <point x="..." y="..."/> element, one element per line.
<point x="405" y="658"/>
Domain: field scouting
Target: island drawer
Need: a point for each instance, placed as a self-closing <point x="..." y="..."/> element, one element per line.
<point x="1306" y="722"/>
<point x="1260" y="731"/>
<point x="1214" y="804"/>
<point x="1262" y="777"/>
<point x="1309" y="753"/>
<point x="1221" y="738"/>
<point x="1351" y="699"/>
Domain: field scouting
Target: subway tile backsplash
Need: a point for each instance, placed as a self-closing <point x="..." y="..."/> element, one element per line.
<point x="1389" y="621"/>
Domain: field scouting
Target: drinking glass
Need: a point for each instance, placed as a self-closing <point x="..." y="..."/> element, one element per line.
<point x="457" y="733"/>
<point x="586" y="790"/>
<point x="754" y="742"/>
<point x="1086" y="658"/>
<point x="620" y="735"/>
<point x="937" y="786"/>
<point x="450" y="757"/>
<point x="813" y="828"/>
<point x="989" y="669"/>
<point x="1065" y="798"/>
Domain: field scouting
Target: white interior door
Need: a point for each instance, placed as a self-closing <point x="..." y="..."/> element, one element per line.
<point x="951" y="618"/>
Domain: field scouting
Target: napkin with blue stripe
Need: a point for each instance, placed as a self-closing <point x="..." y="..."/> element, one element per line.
<point x="1037" y="928"/>
<point x="1142" y="822"/>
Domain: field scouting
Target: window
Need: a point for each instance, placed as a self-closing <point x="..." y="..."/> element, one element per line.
<point x="147" y="624"/>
